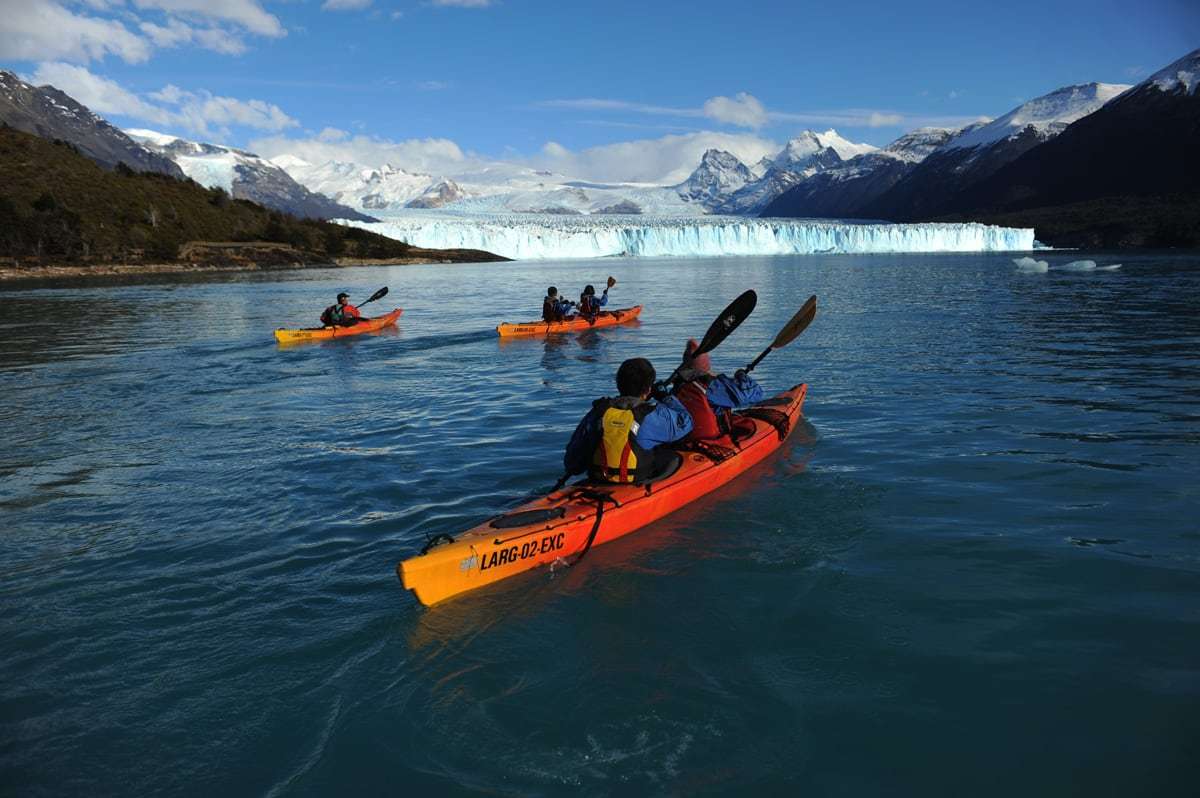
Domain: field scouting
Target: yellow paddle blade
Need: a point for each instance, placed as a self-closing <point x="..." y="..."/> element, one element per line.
<point x="798" y="324"/>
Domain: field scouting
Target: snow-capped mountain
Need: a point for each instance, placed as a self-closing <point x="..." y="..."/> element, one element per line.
<point x="838" y="192"/>
<point x="362" y="187"/>
<point x="719" y="175"/>
<point x="1047" y="115"/>
<point x="1142" y="143"/>
<point x="47" y="112"/>
<point x="805" y="155"/>
<point x="978" y="151"/>
<point x="244" y="175"/>
<point x="438" y="195"/>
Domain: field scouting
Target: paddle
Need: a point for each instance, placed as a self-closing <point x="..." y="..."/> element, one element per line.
<point x="729" y="320"/>
<point x="798" y="324"/>
<point x="380" y="294"/>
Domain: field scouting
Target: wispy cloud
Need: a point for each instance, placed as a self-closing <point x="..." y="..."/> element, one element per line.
<point x="462" y="3"/>
<point x="344" y="5"/>
<point x="744" y="110"/>
<point x="198" y="112"/>
<point x="433" y="85"/>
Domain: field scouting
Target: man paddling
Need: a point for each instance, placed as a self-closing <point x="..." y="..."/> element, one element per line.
<point x="554" y="308"/>
<point x="711" y="398"/>
<point x="621" y="440"/>
<point x="343" y="314"/>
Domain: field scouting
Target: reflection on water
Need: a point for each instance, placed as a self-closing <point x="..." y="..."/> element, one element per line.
<point x="995" y="485"/>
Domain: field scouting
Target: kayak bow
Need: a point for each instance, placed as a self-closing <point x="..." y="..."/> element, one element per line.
<point x="567" y="522"/>
<point x="605" y="318"/>
<point x="285" y="336"/>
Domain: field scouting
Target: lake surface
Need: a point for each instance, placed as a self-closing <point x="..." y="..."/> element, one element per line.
<point x="974" y="570"/>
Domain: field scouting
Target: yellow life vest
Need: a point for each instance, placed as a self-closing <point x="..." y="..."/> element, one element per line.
<point x="618" y="456"/>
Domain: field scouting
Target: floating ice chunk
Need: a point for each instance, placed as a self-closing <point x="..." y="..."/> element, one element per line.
<point x="1111" y="268"/>
<point x="1030" y="265"/>
<point x="1078" y="266"/>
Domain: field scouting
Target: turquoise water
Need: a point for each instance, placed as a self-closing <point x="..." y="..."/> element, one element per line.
<point x="975" y="570"/>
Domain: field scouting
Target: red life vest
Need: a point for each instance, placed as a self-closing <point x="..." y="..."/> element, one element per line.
<point x="693" y="395"/>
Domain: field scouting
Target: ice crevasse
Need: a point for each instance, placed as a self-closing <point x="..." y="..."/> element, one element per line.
<point x="540" y="238"/>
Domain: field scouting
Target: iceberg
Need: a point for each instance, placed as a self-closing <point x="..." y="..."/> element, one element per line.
<point x="529" y="237"/>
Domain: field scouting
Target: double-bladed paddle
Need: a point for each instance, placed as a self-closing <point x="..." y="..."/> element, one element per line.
<point x="729" y="320"/>
<point x="796" y="325"/>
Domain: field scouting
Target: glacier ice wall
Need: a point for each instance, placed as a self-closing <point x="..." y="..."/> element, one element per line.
<point x="538" y="237"/>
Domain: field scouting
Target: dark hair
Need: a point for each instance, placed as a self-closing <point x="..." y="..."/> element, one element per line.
<point x="588" y="289"/>
<point x="635" y="376"/>
<point x="551" y="291"/>
<point x="339" y="296"/>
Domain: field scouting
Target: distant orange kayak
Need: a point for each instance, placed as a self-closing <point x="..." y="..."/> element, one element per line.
<point x="560" y="524"/>
<point x="320" y="333"/>
<point x="606" y="318"/>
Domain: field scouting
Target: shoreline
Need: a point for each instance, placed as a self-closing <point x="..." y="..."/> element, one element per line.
<point x="54" y="271"/>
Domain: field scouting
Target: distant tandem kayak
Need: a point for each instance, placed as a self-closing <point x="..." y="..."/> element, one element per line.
<point x="567" y="522"/>
<point x="606" y="318"/>
<point x="320" y="333"/>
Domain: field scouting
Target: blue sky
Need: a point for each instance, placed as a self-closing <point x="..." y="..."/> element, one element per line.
<point x="523" y="79"/>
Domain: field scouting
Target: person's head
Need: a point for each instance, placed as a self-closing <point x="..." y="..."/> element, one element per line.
<point x="589" y="290"/>
<point x="551" y="291"/>
<point x="343" y="298"/>
<point x="635" y="377"/>
<point x="701" y="363"/>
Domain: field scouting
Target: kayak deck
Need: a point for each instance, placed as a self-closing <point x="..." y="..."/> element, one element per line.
<point x="559" y="524"/>
<point x="285" y="336"/>
<point x="605" y="318"/>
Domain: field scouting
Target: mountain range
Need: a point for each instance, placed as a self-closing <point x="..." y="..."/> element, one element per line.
<point x="1077" y="144"/>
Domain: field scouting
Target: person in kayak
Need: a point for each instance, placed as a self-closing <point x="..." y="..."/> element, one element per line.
<point x="711" y="398"/>
<point x="343" y="314"/>
<point x="622" y="440"/>
<point x="554" y="308"/>
<point x="589" y="305"/>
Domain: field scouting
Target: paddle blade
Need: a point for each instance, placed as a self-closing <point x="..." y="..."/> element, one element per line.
<point x="612" y="281"/>
<point x="380" y="294"/>
<point x="798" y="324"/>
<point x="729" y="320"/>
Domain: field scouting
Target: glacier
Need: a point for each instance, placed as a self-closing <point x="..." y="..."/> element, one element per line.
<point x="527" y="237"/>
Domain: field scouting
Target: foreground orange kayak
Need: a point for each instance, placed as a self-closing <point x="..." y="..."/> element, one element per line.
<point x="606" y="318"/>
<point x="559" y="525"/>
<point x="319" y="333"/>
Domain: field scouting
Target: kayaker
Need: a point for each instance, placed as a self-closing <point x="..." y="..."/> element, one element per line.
<point x="710" y="398"/>
<point x="553" y="308"/>
<point x="621" y="440"/>
<point x="343" y="314"/>
<point x="589" y="305"/>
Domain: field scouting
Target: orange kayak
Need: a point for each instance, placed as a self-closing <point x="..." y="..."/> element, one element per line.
<point x="560" y="524"/>
<point x="605" y="318"/>
<point x="319" y="333"/>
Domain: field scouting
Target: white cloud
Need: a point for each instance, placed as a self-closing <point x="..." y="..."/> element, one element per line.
<point x="39" y="30"/>
<point x="332" y="134"/>
<point x="462" y="3"/>
<point x="669" y="159"/>
<point x="432" y="85"/>
<point x="248" y="14"/>
<point x="101" y="95"/>
<point x="435" y="156"/>
<point x="176" y="33"/>
<point x="198" y="112"/>
<point x="344" y="5"/>
<point x="744" y="110"/>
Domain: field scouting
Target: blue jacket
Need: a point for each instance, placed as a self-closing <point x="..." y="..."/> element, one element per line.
<point x="668" y="421"/>
<point x="600" y="301"/>
<point x="731" y="392"/>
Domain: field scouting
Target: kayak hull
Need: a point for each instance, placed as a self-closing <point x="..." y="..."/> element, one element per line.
<point x="285" y="336"/>
<point x="606" y="318"/>
<point x="560" y="523"/>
